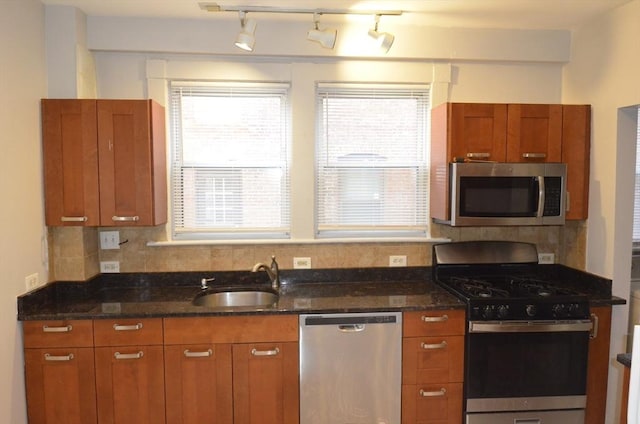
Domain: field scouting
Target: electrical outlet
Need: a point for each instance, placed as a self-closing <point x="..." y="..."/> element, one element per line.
<point x="109" y="266"/>
<point x="397" y="260"/>
<point x="32" y="281"/>
<point x="301" y="263"/>
<point x="109" y="240"/>
<point x="546" y="258"/>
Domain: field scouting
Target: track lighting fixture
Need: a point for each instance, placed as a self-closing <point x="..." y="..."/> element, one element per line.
<point x="246" y="38"/>
<point x="383" y="40"/>
<point x="326" y="37"/>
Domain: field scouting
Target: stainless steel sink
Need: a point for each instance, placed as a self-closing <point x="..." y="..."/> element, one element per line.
<point x="236" y="299"/>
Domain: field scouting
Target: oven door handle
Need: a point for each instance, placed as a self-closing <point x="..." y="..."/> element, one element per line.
<point x="529" y="326"/>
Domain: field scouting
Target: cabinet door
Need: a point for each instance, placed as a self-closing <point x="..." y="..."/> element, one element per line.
<point x="598" y="365"/>
<point x="198" y="384"/>
<point x="132" y="163"/>
<point x="265" y="383"/>
<point x="60" y="385"/>
<point x="130" y="384"/>
<point x="534" y="133"/>
<point x="478" y="131"/>
<point x="70" y="155"/>
<point x="576" y="153"/>
<point x="432" y="404"/>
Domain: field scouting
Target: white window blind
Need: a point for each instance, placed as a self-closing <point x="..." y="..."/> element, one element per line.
<point x="372" y="157"/>
<point x="636" y="202"/>
<point x="230" y="176"/>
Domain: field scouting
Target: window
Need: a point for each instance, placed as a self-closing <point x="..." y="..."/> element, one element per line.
<point x="230" y="160"/>
<point x="372" y="175"/>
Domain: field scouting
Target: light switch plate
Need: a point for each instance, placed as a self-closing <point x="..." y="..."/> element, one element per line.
<point x="397" y="260"/>
<point x="301" y="263"/>
<point x="109" y="240"/>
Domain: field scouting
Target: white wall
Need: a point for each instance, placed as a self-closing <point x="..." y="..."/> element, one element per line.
<point x="604" y="72"/>
<point x="22" y="84"/>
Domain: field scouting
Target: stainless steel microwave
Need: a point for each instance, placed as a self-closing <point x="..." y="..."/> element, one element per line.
<point x="493" y="194"/>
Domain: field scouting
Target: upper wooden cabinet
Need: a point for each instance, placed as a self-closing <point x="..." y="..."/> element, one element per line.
<point x="104" y="162"/>
<point x="512" y="133"/>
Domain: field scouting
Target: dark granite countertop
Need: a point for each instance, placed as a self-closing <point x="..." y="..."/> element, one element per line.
<point x="302" y="291"/>
<point x="624" y="359"/>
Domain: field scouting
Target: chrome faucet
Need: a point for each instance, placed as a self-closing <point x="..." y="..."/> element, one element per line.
<point x="273" y="272"/>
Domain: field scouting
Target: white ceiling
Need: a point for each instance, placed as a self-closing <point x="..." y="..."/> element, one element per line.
<point x="524" y="14"/>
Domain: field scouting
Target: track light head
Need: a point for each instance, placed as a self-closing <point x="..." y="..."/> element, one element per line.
<point x="326" y="37"/>
<point x="246" y="38"/>
<point x="384" y="40"/>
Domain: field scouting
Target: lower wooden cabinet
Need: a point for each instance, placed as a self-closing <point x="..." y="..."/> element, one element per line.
<point x="598" y="365"/>
<point x="59" y="372"/>
<point x="265" y="383"/>
<point x="432" y="367"/>
<point x="130" y="384"/>
<point x="232" y="369"/>
<point x="432" y="403"/>
<point x="198" y="381"/>
<point x="60" y="385"/>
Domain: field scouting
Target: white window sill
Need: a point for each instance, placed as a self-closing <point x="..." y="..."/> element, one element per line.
<point x="172" y="243"/>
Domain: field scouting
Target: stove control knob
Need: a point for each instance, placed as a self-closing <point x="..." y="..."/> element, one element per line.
<point x="531" y="310"/>
<point x="575" y="310"/>
<point x="503" y="311"/>
<point x="559" y="310"/>
<point x="487" y="312"/>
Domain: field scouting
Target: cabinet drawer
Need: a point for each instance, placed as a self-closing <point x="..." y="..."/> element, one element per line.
<point x="432" y="359"/>
<point x="432" y="404"/>
<point x="231" y="329"/>
<point x="434" y="323"/>
<point x="123" y="332"/>
<point x="78" y="333"/>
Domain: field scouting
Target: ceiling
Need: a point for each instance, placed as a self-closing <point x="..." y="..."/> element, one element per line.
<point x="523" y="14"/>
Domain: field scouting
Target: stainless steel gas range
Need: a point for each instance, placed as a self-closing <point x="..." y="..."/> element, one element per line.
<point x="527" y="335"/>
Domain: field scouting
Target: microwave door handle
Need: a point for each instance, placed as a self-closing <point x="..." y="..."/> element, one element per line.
<point x="540" y="196"/>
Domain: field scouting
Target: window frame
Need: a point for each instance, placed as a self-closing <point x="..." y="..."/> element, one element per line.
<point x="343" y="90"/>
<point x="276" y="89"/>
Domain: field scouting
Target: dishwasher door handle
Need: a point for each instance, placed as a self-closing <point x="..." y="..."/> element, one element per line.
<point x="351" y="328"/>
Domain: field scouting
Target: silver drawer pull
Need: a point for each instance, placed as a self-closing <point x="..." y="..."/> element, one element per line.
<point x="137" y="355"/>
<point x="443" y="318"/>
<point x="203" y="354"/>
<point x="273" y="352"/>
<point x="63" y="329"/>
<point x="74" y="219"/>
<point x="441" y="392"/>
<point x="48" y="357"/>
<point x="478" y="155"/>
<point x="133" y="327"/>
<point x="125" y="218"/>
<point x="534" y="155"/>
<point x="428" y="346"/>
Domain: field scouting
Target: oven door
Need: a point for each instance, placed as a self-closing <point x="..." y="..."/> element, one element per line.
<point x="518" y="366"/>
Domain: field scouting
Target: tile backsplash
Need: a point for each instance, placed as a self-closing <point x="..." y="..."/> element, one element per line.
<point x="75" y="254"/>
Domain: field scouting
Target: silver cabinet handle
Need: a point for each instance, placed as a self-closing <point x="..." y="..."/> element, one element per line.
<point x="441" y="392"/>
<point x="478" y="155"/>
<point x="74" y="218"/>
<point x="203" y="354"/>
<point x="428" y="346"/>
<point x="136" y="355"/>
<point x="594" y="331"/>
<point x="48" y="357"/>
<point x="125" y="218"/>
<point x="534" y="155"/>
<point x="443" y="318"/>
<point x="63" y="329"/>
<point x="133" y="327"/>
<point x="272" y="352"/>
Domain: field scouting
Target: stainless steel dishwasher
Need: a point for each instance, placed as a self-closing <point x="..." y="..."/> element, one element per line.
<point x="350" y="368"/>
